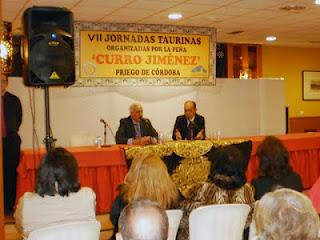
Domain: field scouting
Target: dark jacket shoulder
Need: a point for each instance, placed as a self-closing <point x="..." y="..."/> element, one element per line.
<point x="264" y="184"/>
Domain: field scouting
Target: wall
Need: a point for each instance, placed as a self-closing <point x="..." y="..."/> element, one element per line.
<point x="236" y="107"/>
<point x="289" y="62"/>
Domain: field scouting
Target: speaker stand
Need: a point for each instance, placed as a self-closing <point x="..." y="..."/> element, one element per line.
<point x="48" y="140"/>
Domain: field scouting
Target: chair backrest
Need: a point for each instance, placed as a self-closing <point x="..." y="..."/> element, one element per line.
<point x="221" y="222"/>
<point x="174" y="217"/>
<point x="86" y="230"/>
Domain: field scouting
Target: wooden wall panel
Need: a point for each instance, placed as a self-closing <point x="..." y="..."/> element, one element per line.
<point x="304" y="124"/>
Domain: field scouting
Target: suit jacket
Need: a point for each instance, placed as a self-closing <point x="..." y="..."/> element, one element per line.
<point x="126" y="130"/>
<point x="182" y="125"/>
<point x="12" y="114"/>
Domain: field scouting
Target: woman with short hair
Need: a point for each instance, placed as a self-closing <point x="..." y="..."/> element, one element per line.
<point x="274" y="168"/>
<point x="58" y="197"/>
<point x="285" y="214"/>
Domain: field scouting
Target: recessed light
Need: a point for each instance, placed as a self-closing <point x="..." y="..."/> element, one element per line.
<point x="271" y="38"/>
<point x="317" y="2"/>
<point x="175" y="16"/>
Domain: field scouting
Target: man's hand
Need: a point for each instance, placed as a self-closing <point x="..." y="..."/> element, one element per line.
<point x="145" y="140"/>
<point x="136" y="141"/>
<point x="200" y="136"/>
<point x="142" y="141"/>
<point x="178" y="135"/>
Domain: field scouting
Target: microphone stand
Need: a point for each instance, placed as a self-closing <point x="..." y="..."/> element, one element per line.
<point x="105" y="126"/>
<point x="105" y="133"/>
<point x="48" y="140"/>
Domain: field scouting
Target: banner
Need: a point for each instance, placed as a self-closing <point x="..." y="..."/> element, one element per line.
<point x="146" y="57"/>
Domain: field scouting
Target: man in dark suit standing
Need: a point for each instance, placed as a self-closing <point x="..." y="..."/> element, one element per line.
<point x="135" y="129"/>
<point x="190" y="126"/>
<point x="11" y="118"/>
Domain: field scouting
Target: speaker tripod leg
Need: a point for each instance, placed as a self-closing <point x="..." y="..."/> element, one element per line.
<point x="48" y="140"/>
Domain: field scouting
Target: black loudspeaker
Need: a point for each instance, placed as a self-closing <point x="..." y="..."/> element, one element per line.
<point x="48" y="48"/>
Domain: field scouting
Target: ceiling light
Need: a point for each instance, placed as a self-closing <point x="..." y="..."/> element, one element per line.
<point x="271" y="38"/>
<point x="317" y="2"/>
<point x="175" y="16"/>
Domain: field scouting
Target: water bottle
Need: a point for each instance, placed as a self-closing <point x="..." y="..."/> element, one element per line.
<point x="98" y="141"/>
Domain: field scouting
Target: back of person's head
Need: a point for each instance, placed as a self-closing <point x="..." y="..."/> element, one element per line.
<point x="227" y="168"/>
<point x="57" y="174"/>
<point x="143" y="220"/>
<point x="148" y="178"/>
<point x="274" y="158"/>
<point x="286" y="214"/>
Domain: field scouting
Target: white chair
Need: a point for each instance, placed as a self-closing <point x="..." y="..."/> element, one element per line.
<point x="252" y="231"/>
<point x="174" y="217"/>
<point x="218" y="222"/>
<point x="86" y="230"/>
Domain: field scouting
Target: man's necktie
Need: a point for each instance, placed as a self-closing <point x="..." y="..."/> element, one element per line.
<point x="137" y="130"/>
<point x="190" y="131"/>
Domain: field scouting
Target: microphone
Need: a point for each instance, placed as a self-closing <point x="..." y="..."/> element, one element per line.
<point x="103" y="121"/>
<point x="106" y="125"/>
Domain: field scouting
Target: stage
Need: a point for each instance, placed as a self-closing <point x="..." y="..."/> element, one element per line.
<point x="103" y="169"/>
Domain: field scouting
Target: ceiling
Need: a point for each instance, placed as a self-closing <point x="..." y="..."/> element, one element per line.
<point x="257" y="18"/>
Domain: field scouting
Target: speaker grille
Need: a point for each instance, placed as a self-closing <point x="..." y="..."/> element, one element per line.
<point x="48" y="49"/>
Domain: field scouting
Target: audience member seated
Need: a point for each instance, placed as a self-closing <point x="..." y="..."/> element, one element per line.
<point x="226" y="185"/>
<point x="285" y="214"/>
<point x="275" y="170"/>
<point x="314" y="195"/>
<point x="148" y="179"/>
<point x="143" y="220"/>
<point x="58" y="197"/>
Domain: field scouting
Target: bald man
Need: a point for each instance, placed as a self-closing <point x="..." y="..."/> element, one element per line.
<point x="11" y="118"/>
<point x="190" y="126"/>
<point x="136" y="129"/>
<point x="143" y="220"/>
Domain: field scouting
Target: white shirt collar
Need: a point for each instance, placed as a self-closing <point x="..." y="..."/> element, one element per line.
<point x="191" y="120"/>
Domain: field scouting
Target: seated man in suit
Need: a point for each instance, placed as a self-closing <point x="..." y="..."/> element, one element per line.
<point x="190" y="125"/>
<point x="135" y="129"/>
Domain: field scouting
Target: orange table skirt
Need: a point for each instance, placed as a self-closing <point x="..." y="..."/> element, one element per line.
<point x="103" y="169"/>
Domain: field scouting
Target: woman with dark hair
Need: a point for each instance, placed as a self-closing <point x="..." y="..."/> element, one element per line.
<point x="226" y="185"/>
<point x="275" y="170"/>
<point x="58" y="197"/>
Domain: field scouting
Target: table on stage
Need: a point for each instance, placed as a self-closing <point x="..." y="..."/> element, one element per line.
<point x="103" y="169"/>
